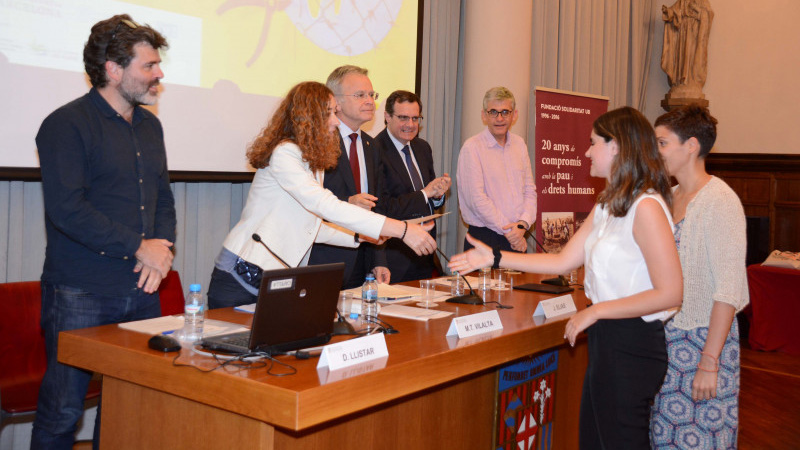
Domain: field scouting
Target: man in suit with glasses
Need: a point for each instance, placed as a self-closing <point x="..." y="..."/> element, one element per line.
<point x="409" y="186"/>
<point x="355" y="177"/>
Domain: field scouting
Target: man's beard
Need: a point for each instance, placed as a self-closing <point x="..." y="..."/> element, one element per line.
<point x="135" y="97"/>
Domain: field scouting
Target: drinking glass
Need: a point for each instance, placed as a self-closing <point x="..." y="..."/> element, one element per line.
<point x="345" y="304"/>
<point x="427" y="289"/>
<point x="485" y="279"/>
<point x="500" y="280"/>
<point x="511" y="278"/>
<point x="457" y="286"/>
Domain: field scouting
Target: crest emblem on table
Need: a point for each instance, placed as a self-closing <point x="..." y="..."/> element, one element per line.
<point x="525" y="400"/>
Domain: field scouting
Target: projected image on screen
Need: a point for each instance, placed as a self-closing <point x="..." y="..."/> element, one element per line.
<point x="228" y="64"/>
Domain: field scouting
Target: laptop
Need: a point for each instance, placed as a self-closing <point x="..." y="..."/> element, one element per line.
<point x="295" y="309"/>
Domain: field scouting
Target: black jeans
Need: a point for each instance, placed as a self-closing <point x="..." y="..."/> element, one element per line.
<point x="64" y="387"/>
<point x="224" y="290"/>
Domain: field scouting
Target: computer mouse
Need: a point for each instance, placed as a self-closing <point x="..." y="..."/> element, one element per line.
<point x="164" y="343"/>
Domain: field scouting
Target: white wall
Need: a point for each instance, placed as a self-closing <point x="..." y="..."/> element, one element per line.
<point x="753" y="69"/>
<point x="497" y="52"/>
<point x="753" y="72"/>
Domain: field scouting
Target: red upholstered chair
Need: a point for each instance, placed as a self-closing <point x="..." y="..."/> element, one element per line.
<point x="171" y="294"/>
<point x="22" y="349"/>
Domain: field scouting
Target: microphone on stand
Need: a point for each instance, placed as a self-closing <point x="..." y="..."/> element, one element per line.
<point x="342" y="326"/>
<point x="560" y="280"/>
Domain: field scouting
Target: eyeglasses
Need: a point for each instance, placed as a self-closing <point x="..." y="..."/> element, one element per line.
<point x="361" y="96"/>
<point x="413" y="119"/>
<point x="494" y="113"/>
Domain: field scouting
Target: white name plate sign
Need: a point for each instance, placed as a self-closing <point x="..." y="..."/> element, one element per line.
<point x="475" y="324"/>
<point x="352" y="352"/>
<point x="555" y="306"/>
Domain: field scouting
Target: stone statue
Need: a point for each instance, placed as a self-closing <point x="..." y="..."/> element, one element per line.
<point x="684" y="58"/>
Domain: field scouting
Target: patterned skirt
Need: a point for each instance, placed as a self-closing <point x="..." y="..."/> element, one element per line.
<point x="678" y="422"/>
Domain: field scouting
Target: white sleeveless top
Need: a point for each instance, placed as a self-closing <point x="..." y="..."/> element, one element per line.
<point x="615" y="266"/>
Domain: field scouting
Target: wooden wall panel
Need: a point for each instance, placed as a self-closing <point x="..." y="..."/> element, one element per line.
<point x="787" y="189"/>
<point x="787" y="231"/>
<point x="769" y="186"/>
<point x="787" y="212"/>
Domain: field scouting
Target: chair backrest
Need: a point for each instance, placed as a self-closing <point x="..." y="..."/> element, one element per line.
<point x="22" y="349"/>
<point x="21" y="339"/>
<point x="171" y="294"/>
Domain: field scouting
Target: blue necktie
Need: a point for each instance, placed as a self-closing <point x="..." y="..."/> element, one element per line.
<point x="416" y="181"/>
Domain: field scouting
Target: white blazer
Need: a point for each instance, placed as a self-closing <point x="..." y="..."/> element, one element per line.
<point x="286" y="205"/>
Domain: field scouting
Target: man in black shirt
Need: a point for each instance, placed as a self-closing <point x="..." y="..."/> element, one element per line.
<point x="109" y="211"/>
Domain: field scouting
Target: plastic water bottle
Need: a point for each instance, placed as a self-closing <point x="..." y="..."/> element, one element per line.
<point x="194" y="314"/>
<point x="369" y="301"/>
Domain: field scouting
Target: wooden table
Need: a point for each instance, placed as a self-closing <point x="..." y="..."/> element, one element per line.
<point x="428" y="395"/>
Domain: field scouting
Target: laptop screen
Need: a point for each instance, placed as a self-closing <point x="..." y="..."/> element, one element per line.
<point x="296" y="307"/>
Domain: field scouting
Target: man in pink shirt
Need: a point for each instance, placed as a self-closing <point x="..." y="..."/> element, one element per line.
<point x="496" y="192"/>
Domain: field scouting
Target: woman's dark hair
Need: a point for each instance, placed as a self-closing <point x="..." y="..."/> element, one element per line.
<point x="691" y="121"/>
<point x="113" y="40"/>
<point x="302" y="118"/>
<point x="638" y="166"/>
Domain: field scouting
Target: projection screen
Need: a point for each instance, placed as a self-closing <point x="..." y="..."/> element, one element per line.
<point x="228" y="64"/>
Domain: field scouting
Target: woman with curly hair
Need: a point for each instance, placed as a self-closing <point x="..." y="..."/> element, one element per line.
<point x="288" y="207"/>
<point x="633" y="276"/>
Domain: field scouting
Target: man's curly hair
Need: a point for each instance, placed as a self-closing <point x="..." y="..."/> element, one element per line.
<point x="113" y="40"/>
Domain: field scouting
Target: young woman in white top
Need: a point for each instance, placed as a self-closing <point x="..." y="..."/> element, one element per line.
<point x="288" y="207"/>
<point x="698" y="404"/>
<point x="632" y="276"/>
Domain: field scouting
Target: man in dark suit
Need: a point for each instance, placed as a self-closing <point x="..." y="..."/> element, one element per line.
<point x="356" y="106"/>
<point x="409" y="186"/>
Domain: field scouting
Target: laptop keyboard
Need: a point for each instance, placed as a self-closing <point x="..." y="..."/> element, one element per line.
<point x="239" y="341"/>
<point x="233" y="343"/>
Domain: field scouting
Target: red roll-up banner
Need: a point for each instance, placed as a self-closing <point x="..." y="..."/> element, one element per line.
<point x="566" y="191"/>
